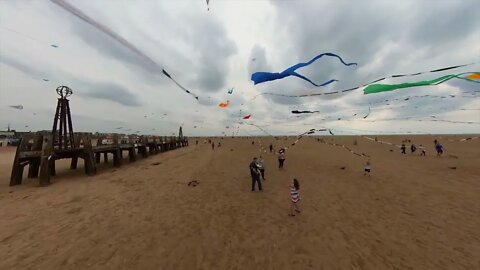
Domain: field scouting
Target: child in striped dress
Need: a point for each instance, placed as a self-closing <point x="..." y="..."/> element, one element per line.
<point x="295" y="195"/>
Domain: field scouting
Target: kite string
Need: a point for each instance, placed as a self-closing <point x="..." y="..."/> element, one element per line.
<point x="344" y="147"/>
<point x="104" y="29"/>
<point x="410" y="118"/>
<point x="26" y="36"/>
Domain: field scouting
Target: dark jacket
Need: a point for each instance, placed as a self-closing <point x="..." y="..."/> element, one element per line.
<point x="254" y="169"/>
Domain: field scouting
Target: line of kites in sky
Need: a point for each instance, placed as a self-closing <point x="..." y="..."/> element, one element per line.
<point x="370" y="88"/>
<point x="263" y="76"/>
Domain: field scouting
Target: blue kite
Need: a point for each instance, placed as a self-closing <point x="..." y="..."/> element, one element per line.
<point x="260" y="77"/>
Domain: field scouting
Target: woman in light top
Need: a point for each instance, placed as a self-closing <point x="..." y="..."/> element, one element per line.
<point x="261" y="167"/>
<point x="295" y="197"/>
<point x="281" y="158"/>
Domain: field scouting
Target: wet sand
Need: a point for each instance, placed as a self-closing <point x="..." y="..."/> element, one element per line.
<point x="413" y="212"/>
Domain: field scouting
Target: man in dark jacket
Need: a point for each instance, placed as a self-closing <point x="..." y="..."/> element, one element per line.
<point x="255" y="173"/>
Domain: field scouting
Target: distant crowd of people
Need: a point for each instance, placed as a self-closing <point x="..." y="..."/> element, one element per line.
<point x="257" y="168"/>
<point x="413" y="148"/>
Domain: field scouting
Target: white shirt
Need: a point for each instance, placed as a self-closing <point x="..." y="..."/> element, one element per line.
<point x="260" y="164"/>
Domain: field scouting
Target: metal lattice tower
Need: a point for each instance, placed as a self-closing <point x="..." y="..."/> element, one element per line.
<point x="62" y="123"/>
<point x="180" y="133"/>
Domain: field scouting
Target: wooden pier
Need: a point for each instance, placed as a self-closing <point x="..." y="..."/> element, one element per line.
<point x="40" y="150"/>
<point x="37" y="151"/>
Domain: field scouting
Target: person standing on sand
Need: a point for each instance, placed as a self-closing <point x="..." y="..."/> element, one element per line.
<point x="261" y="167"/>
<point x="271" y="148"/>
<point x="403" y="148"/>
<point x="413" y="148"/>
<point x="423" y="153"/>
<point x="367" y="168"/>
<point x="295" y="197"/>
<point x="255" y="174"/>
<point x="439" y="149"/>
<point x="213" y="145"/>
<point x="281" y="158"/>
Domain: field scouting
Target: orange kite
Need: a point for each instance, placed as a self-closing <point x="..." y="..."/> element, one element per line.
<point x="224" y="104"/>
<point x="474" y="76"/>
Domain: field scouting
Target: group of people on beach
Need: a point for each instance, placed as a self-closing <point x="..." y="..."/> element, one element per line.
<point x="413" y="148"/>
<point x="257" y="172"/>
<point x="257" y="168"/>
<point x="210" y="142"/>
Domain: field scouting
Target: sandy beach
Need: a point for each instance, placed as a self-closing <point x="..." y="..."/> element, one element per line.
<point x="414" y="212"/>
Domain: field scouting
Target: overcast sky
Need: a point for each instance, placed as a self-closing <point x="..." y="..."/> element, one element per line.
<point x="210" y="52"/>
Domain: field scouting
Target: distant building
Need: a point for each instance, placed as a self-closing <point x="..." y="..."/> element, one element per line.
<point x="7" y="137"/>
<point x="20" y="135"/>
<point x="10" y="134"/>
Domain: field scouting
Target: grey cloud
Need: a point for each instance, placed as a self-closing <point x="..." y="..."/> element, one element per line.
<point x="100" y="90"/>
<point x="22" y="67"/>
<point x="448" y="24"/>
<point x="206" y="38"/>
<point x="108" y="46"/>
<point x="208" y="101"/>
<point x="236" y="101"/>
<point x="215" y="48"/>
<point x="283" y="100"/>
<point x="111" y="92"/>
<point x="211" y="77"/>
<point x="82" y="123"/>
<point x="344" y="27"/>
<point x="464" y="85"/>
<point x="258" y="60"/>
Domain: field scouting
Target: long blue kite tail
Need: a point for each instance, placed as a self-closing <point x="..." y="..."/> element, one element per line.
<point x="260" y="77"/>
<point x="300" y="65"/>
<point x="308" y="80"/>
